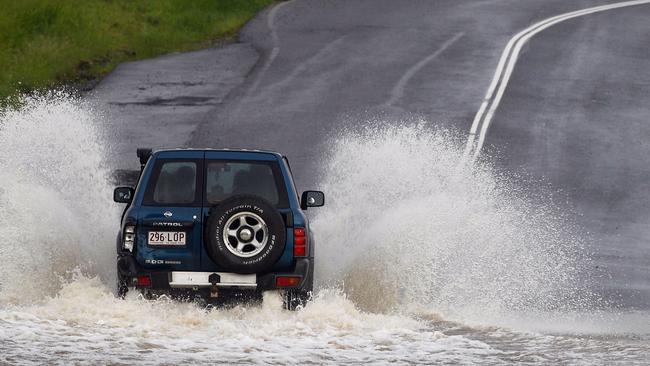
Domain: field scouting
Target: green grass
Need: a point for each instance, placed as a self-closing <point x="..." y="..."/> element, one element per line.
<point x="46" y="43"/>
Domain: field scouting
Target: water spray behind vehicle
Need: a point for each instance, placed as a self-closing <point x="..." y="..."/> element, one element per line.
<point x="407" y="225"/>
<point x="55" y="209"/>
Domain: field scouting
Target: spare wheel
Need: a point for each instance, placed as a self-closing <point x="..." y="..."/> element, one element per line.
<point x="245" y="234"/>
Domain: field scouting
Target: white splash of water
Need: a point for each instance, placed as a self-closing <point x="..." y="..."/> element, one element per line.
<point x="406" y="225"/>
<point x="55" y="209"/>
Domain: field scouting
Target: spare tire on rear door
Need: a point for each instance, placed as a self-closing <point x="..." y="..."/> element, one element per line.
<point x="245" y="234"/>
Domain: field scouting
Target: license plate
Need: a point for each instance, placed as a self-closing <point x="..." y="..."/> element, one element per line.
<point x="167" y="238"/>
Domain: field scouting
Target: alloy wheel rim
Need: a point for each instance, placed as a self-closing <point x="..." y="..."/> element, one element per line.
<point x="245" y="234"/>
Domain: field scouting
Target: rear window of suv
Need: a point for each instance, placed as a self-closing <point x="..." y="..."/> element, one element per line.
<point x="225" y="179"/>
<point x="173" y="183"/>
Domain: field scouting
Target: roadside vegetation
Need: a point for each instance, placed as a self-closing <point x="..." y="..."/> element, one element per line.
<point x="45" y="43"/>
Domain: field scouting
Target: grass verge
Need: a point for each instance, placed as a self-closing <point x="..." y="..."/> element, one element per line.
<point x="49" y="43"/>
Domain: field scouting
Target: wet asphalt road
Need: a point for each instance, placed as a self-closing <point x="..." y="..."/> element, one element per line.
<point x="574" y="115"/>
<point x="577" y="116"/>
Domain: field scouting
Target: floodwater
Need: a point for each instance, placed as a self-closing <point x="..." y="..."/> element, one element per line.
<point x="421" y="259"/>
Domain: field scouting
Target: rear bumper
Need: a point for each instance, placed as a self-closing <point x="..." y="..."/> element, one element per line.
<point x="129" y="269"/>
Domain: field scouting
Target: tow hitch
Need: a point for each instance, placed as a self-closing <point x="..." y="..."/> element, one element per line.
<point x="214" y="279"/>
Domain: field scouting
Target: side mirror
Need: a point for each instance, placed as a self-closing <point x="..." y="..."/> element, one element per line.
<point x="312" y="199"/>
<point x="123" y="194"/>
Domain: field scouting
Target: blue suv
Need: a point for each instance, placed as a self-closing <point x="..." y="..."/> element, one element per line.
<point x="215" y="224"/>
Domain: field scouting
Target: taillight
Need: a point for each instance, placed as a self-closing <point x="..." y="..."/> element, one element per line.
<point x="300" y="245"/>
<point x="144" y="281"/>
<point x="128" y="239"/>
<point x="287" y="281"/>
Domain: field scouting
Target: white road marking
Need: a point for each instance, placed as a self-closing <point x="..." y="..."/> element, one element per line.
<point x="275" y="41"/>
<point x="305" y="65"/>
<point x="270" y="22"/>
<point x="398" y="90"/>
<point x="506" y="66"/>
